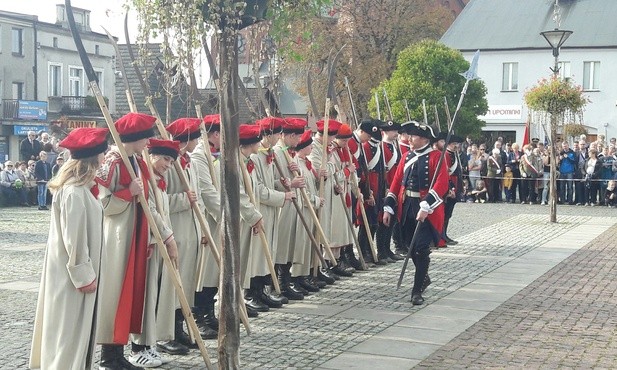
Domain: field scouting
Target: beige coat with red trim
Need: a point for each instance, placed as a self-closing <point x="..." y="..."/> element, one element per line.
<point x="118" y="225"/>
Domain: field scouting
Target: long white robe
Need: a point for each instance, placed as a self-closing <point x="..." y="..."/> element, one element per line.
<point x="211" y="198"/>
<point x="249" y="215"/>
<point x="302" y="257"/>
<point x="187" y="232"/>
<point x="341" y="234"/>
<point x="325" y="214"/>
<point x="270" y="203"/>
<point x="288" y="218"/>
<point x="118" y="225"/>
<point x="64" y="328"/>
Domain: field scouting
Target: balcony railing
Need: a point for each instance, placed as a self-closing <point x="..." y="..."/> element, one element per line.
<point x="10" y="109"/>
<point x="79" y="105"/>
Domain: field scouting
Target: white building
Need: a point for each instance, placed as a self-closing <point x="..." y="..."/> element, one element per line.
<point x="514" y="57"/>
<point x="42" y="79"/>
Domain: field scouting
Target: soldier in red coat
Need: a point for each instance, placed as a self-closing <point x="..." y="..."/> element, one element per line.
<point x="391" y="158"/>
<point x="415" y="197"/>
<point x="453" y="162"/>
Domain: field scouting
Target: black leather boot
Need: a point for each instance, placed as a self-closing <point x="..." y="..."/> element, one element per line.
<point x="422" y="263"/>
<point x="112" y="358"/>
<point x="316" y="281"/>
<point x="342" y="270"/>
<point x="287" y="288"/>
<point x="305" y="282"/>
<point x="205" y="331"/>
<point x="109" y="357"/>
<point x="325" y="276"/>
<point x="210" y="315"/>
<point x="258" y="288"/>
<point x="351" y="258"/>
<point x="253" y="302"/>
<point x="172" y="347"/>
<point x="269" y="294"/>
<point x="180" y="335"/>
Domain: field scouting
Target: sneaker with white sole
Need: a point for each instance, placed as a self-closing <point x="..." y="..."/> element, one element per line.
<point x="161" y="357"/>
<point x="144" y="359"/>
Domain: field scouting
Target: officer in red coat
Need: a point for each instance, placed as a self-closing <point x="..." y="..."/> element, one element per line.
<point x="415" y="197"/>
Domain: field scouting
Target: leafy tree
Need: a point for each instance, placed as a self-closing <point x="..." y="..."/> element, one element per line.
<point x="374" y="32"/>
<point x="430" y="70"/>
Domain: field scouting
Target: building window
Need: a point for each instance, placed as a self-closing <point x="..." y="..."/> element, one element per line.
<point x="96" y="50"/>
<point x="99" y="78"/>
<point x="591" y="76"/>
<point x="75" y="81"/>
<point x="510" y="77"/>
<point x="18" y="90"/>
<point x="17" y="43"/>
<point x="564" y="70"/>
<point x="55" y="42"/>
<point x="55" y="80"/>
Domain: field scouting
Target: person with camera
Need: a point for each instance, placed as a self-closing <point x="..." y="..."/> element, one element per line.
<point x="567" y="169"/>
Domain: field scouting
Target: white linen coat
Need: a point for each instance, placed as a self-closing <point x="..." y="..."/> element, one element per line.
<point x="288" y="217"/>
<point x="212" y="209"/>
<point x="270" y="203"/>
<point x="187" y="232"/>
<point x="64" y="329"/>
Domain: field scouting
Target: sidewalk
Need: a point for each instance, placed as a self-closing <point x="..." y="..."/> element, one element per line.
<point x="487" y="299"/>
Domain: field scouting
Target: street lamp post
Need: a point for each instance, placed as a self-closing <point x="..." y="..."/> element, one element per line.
<point x="555" y="38"/>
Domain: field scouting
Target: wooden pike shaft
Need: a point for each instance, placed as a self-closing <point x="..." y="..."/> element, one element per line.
<point x="265" y="246"/>
<point x="322" y="234"/>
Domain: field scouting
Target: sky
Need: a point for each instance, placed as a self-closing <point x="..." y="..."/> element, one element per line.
<point x="109" y="13"/>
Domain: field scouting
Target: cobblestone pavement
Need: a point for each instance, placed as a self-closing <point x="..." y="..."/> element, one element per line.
<point x="565" y="319"/>
<point x="309" y="333"/>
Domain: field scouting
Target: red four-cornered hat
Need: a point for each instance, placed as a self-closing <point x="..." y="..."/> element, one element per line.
<point x="305" y="140"/>
<point x="271" y="125"/>
<point x="249" y="134"/>
<point x="212" y="122"/>
<point x="294" y="125"/>
<point x="164" y="147"/>
<point x="135" y="126"/>
<point x="333" y="126"/>
<point x="86" y="142"/>
<point x="185" y="129"/>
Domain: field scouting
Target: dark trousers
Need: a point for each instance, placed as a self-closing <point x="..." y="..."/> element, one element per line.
<point x="15" y="196"/>
<point x="384" y="237"/>
<point x="528" y="186"/>
<point x="420" y="248"/>
<point x="493" y="189"/>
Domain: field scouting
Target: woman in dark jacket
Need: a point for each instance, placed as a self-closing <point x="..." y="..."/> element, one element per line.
<point x="42" y="173"/>
<point x="591" y="174"/>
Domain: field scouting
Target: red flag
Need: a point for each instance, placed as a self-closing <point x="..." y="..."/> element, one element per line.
<point x="526" y="134"/>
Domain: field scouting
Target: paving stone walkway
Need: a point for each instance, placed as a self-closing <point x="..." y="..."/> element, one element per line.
<point x="365" y="323"/>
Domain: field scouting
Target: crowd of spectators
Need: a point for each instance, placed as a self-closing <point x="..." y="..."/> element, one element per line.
<point x="24" y="182"/>
<point x="504" y="172"/>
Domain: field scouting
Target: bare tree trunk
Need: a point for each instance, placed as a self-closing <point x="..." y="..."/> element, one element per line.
<point x="553" y="173"/>
<point x="229" y="329"/>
